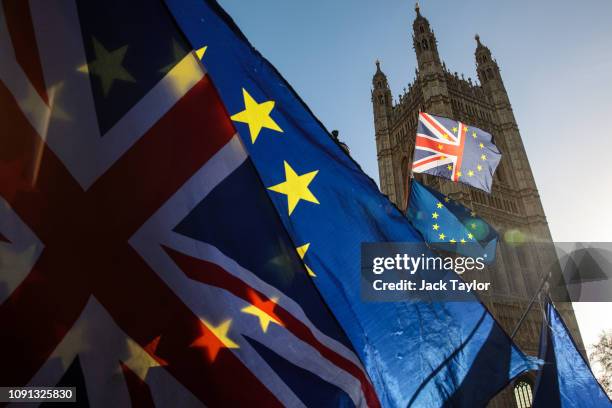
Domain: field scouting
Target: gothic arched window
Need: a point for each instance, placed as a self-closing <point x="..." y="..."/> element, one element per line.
<point x="421" y="29"/>
<point x="523" y="393"/>
<point x="425" y="45"/>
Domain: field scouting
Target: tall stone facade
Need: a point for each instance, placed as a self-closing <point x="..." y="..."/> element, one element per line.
<point x="514" y="208"/>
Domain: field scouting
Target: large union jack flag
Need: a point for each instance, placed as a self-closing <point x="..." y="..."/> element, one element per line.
<point x="140" y="259"/>
<point x="451" y="149"/>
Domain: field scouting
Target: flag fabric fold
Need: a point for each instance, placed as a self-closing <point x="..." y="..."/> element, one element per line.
<point x="446" y="224"/>
<point x="453" y="150"/>
<point x="566" y="379"/>
<point x="415" y="353"/>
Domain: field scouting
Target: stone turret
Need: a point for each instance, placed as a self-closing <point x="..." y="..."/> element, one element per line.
<point x="509" y="140"/>
<point x="382" y="103"/>
<point x="430" y="69"/>
<point x="513" y="208"/>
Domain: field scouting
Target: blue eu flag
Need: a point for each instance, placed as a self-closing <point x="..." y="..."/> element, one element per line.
<point x="415" y="353"/>
<point x="565" y="379"/>
<point x="449" y="225"/>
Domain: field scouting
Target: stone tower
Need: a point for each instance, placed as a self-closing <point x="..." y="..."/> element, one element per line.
<point x="513" y="208"/>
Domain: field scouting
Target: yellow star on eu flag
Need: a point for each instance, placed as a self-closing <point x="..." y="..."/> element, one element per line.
<point x="264" y="311"/>
<point x="200" y="52"/>
<point x="178" y="52"/>
<point x="256" y="115"/>
<point x="140" y="360"/>
<point x="215" y="338"/>
<point x="301" y="250"/>
<point x="108" y="66"/>
<point x="295" y="187"/>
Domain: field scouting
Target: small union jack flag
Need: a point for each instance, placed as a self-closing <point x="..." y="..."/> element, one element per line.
<point x="451" y="149"/>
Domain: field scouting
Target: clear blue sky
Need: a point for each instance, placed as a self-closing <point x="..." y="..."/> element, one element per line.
<point x="556" y="62"/>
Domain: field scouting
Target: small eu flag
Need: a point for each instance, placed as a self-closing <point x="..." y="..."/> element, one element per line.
<point x="444" y="222"/>
<point x="451" y="149"/>
<point x="565" y="379"/>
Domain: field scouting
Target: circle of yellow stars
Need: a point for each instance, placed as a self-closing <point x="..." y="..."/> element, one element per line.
<point x="441" y="235"/>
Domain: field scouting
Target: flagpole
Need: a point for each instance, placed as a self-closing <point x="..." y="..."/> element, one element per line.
<point x="533" y="298"/>
<point x="408" y="183"/>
